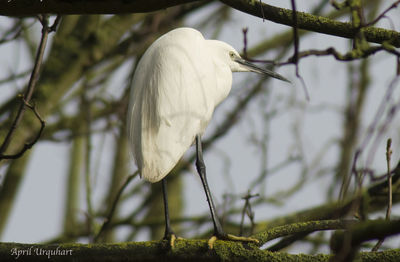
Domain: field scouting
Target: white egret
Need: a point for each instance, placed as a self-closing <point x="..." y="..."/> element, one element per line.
<point x="178" y="82"/>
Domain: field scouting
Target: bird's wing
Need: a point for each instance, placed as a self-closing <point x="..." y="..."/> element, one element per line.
<point x="173" y="102"/>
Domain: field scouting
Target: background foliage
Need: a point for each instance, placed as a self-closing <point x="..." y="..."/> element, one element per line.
<point x="275" y="157"/>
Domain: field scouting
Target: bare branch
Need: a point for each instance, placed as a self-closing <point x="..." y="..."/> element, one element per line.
<point x="314" y="23"/>
<point x="247" y="211"/>
<point x="383" y="14"/>
<point x="29" y="91"/>
<point x="185" y="250"/>
<point x="110" y="215"/>
<point x="389" y="181"/>
<point x="30" y="144"/>
<point x="23" y="8"/>
<point x="302" y="227"/>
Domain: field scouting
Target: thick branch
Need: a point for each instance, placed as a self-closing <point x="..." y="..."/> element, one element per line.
<point x="302" y="227"/>
<point x="185" y="250"/>
<point x="313" y="23"/>
<point x="30" y="8"/>
<point x="257" y="8"/>
<point x="362" y="232"/>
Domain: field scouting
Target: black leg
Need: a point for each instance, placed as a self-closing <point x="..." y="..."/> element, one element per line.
<point x="168" y="230"/>
<point x="201" y="169"/>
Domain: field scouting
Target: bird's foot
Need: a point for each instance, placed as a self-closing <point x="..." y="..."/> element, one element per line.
<point x="230" y="237"/>
<point x="171" y="238"/>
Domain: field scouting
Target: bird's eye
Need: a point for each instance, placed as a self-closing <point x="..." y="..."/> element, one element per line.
<point x="231" y="55"/>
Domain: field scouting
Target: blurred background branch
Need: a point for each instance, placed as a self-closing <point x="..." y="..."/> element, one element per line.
<point x="264" y="141"/>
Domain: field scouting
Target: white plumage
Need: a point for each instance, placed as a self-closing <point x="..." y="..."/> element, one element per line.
<point x="178" y="82"/>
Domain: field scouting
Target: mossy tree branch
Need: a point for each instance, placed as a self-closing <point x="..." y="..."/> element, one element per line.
<point x="256" y="8"/>
<point x="31" y="8"/>
<point x="198" y="250"/>
<point x="362" y="232"/>
<point x="185" y="250"/>
<point x="313" y="23"/>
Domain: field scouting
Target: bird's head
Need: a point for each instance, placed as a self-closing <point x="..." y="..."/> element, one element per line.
<point x="228" y="55"/>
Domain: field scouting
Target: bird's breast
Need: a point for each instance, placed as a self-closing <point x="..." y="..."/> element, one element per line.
<point x="223" y="76"/>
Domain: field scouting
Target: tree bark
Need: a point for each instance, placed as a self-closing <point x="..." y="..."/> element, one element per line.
<point x="256" y="8"/>
<point x="314" y="23"/>
<point x="184" y="250"/>
<point x="34" y="7"/>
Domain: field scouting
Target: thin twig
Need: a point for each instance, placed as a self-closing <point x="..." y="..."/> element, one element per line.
<point x="13" y="77"/>
<point x="30" y="144"/>
<point x="295" y="37"/>
<point x="107" y="220"/>
<point x="383" y="14"/>
<point x="262" y="12"/>
<point x="337" y="5"/>
<point x="29" y="90"/>
<point x="13" y="33"/>
<point x="53" y="27"/>
<point x="87" y="117"/>
<point x="247" y="211"/>
<point x="245" y="30"/>
<point x="389" y="181"/>
<point x="389" y="175"/>
<point x="296" y="42"/>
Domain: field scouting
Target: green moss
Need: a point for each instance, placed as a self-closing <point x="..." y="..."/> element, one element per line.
<point x="196" y="250"/>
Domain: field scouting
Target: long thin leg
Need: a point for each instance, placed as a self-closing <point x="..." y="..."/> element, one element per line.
<point x="201" y="169"/>
<point x="218" y="231"/>
<point x="168" y="230"/>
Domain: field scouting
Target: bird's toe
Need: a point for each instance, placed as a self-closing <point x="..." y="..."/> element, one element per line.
<point x="171" y="238"/>
<point x="230" y="237"/>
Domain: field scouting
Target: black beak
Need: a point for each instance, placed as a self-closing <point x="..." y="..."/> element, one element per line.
<point x="253" y="68"/>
